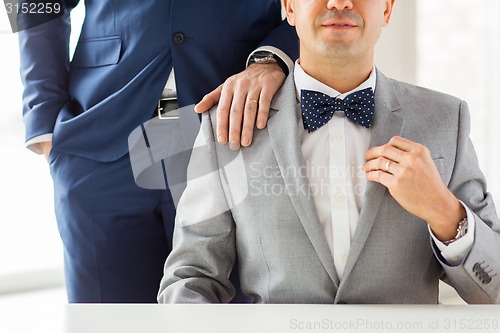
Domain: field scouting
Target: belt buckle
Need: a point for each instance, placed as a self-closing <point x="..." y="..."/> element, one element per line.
<point x="159" y="109"/>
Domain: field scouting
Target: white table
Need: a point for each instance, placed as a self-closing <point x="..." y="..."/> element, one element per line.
<point x="146" y="318"/>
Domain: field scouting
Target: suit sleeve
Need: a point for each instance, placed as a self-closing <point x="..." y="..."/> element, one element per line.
<point x="282" y="40"/>
<point x="284" y="37"/>
<point x="44" y="59"/>
<point x="477" y="279"/>
<point x="197" y="270"/>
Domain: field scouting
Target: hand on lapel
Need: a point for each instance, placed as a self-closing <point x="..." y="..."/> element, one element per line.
<point x="407" y="170"/>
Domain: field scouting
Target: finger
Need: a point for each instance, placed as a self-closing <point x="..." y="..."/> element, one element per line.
<point x="413" y="151"/>
<point x="235" y="120"/>
<point x="385" y="151"/>
<point x="209" y="100"/>
<point x="381" y="164"/>
<point x="251" y="106"/>
<point x="266" y="96"/>
<point x="223" y="110"/>
<point x="380" y="177"/>
<point x="402" y="143"/>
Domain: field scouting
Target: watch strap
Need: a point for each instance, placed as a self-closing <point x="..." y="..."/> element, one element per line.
<point x="461" y="231"/>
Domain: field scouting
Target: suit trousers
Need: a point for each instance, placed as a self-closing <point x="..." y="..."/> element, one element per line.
<point x="116" y="235"/>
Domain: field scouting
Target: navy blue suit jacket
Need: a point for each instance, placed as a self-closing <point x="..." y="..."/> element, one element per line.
<point x="124" y="55"/>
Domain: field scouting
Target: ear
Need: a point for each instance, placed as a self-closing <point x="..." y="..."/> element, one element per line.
<point x="388" y="11"/>
<point x="289" y="11"/>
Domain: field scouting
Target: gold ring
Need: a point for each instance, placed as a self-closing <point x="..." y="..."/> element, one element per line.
<point x="252" y="100"/>
<point x="387" y="165"/>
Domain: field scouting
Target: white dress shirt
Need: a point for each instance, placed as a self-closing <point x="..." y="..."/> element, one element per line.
<point x="334" y="156"/>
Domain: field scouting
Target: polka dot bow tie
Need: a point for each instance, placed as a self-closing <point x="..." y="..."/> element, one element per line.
<point x="318" y="108"/>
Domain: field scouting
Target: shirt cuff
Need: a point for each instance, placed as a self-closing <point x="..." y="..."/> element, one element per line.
<point x="456" y="252"/>
<point x="282" y="55"/>
<point x="33" y="143"/>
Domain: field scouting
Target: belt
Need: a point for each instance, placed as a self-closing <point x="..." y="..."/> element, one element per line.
<point x="167" y="109"/>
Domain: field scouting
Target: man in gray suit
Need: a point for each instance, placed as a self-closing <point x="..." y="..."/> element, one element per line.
<point x="362" y="189"/>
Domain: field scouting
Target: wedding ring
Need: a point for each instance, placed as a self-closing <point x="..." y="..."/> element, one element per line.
<point x="252" y="100"/>
<point x="387" y="165"/>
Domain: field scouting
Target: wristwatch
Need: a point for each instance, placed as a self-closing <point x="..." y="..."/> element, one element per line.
<point x="461" y="231"/>
<point x="266" y="57"/>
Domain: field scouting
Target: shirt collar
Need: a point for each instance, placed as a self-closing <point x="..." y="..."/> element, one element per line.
<point x="305" y="81"/>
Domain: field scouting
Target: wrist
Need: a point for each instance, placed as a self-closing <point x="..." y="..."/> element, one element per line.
<point x="45" y="147"/>
<point x="267" y="57"/>
<point x="270" y="68"/>
<point x="461" y="231"/>
<point x="449" y="225"/>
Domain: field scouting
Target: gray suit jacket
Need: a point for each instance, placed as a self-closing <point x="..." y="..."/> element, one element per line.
<point x="254" y="206"/>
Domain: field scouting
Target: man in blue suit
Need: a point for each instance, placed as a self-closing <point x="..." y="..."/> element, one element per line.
<point x="116" y="235"/>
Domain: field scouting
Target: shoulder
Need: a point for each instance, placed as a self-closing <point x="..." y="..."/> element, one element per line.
<point x="410" y="94"/>
<point x="423" y="109"/>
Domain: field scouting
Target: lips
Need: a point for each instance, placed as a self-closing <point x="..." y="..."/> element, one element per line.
<point x="339" y="24"/>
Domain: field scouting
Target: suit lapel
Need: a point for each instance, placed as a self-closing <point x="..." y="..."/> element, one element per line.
<point x="386" y="124"/>
<point x="284" y="136"/>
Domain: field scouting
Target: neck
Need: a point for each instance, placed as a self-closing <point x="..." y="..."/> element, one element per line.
<point x="343" y="75"/>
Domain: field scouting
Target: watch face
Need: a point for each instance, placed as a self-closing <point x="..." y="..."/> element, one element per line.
<point x="262" y="56"/>
<point x="265" y="57"/>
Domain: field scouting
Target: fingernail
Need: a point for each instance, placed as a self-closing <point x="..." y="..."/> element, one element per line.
<point x="245" y="141"/>
<point x="222" y="139"/>
<point x="260" y="125"/>
<point x="233" y="145"/>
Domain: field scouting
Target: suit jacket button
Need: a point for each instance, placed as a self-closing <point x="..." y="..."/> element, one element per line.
<point x="179" y="38"/>
<point x="486" y="280"/>
<point x="477" y="267"/>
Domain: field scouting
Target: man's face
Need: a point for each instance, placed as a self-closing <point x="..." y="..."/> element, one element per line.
<point x="340" y="29"/>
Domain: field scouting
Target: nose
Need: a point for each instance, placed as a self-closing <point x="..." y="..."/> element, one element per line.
<point x="339" y="4"/>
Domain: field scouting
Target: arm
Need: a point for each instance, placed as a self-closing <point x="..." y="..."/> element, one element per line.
<point x="285" y="39"/>
<point x="407" y="170"/>
<point x="245" y="98"/>
<point x="197" y="270"/>
<point x="469" y="185"/>
<point x="44" y="51"/>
